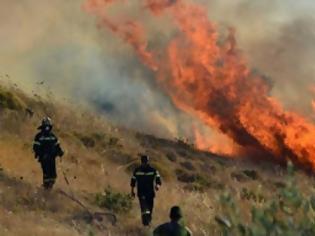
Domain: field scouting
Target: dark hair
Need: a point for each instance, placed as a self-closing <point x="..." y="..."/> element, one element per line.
<point x="144" y="159"/>
<point x="175" y="213"/>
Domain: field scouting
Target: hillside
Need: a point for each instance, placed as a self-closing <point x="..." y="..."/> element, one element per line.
<point x="101" y="156"/>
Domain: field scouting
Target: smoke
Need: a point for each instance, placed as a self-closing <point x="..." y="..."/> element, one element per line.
<point x="46" y="41"/>
<point x="58" y="43"/>
<point x="277" y="38"/>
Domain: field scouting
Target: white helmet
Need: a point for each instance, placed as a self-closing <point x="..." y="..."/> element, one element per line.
<point x="46" y="123"/>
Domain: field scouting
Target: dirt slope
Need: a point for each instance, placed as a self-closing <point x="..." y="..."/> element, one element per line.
<point x="100" y="155"/>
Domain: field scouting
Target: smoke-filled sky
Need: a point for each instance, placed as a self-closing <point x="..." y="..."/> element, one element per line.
<point x="57" y="42"/>
<point x="278" y="39"/>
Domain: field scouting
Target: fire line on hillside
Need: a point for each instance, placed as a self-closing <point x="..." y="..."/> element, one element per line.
<point x="212" y="81"/>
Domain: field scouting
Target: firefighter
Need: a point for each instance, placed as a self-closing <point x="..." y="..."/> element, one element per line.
<point x="173" y="228"/>
<point x="46" y="148"/>
<point x="148" y="181"/>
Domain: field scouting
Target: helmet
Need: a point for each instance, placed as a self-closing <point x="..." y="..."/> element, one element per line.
<point x="144" y="159"/>
<point x="46" y="123"/>
<point x="176" y="213"/>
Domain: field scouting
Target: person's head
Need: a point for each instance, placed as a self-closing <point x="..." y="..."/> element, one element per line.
<point x="144" y="159"/>
<point x="176" y="213"/>
<point x="46" y="125"/>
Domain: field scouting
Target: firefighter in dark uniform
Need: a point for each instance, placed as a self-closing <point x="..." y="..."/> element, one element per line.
<point x="46" y="148"/>
<point x="148" y="181"/>
<point x="173" y="228"/>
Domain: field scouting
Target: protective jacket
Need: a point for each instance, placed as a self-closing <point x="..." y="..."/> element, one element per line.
<point x="46" y="145"/>
<point x="145" y="177"/>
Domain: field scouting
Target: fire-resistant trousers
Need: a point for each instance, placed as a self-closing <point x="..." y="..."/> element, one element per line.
<point x="146" y="205"/>
<point x="48" y="165"/>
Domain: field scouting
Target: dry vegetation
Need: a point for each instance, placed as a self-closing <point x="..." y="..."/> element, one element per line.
<point x="216" y="194"/>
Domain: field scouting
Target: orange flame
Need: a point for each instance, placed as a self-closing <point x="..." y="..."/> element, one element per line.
<point x="221" y="146"/>
<point x="211" y="80"/>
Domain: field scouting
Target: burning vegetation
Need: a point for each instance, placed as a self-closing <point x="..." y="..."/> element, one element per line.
<point x="209" y="78"/>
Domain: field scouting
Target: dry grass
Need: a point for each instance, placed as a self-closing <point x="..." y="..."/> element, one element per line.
<point x="90" y="168"/>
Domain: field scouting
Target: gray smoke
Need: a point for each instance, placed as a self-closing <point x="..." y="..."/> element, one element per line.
<point x="277" y="37"/>
<point x="58" y="43"/>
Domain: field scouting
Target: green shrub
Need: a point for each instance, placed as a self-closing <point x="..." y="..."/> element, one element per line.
<point x="248" y="194"/>
<point x="114" y="201"/>
<point x="291" y="213"/>
<point x="201" y="184"/>
<point x="197" y="182"/>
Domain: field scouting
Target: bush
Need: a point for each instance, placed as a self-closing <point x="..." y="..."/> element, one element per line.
<point x="239" y="176"/>
<point x="247" y="194"/>
<point x="10" y="101"/>
<point x="202" y="183"/>
<point x="100" y="140"/>
<point x="88" y="142"/>
<point x="114" y="201"/>
<point x="171" y="156"/>
<point x="197" y="182"/>
<point x="252" y="174"/>
<point x="291" y="213"/>
<point x="187" y="165"/>
<point x="184" y="177"/>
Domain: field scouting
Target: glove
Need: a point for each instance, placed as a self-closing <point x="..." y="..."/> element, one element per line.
<point x="157" y="187"/>
<point x="37" y="157"/>
<point x="61" y="153"/>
